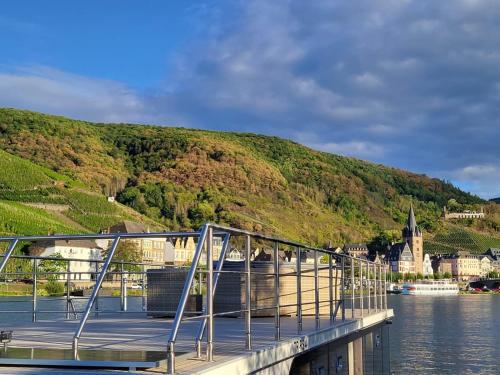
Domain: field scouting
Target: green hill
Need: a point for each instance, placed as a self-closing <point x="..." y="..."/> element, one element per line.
<point x="36" y="200"/>
<point x="181" y="178"/>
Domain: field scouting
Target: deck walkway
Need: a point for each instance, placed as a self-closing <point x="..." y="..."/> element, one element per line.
<point x="141" y="333"/>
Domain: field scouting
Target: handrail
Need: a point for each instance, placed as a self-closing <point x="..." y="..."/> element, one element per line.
<point x="217" y="272"/>
<point x="97" y="286"/>
<point x="359" y="280"/>
<point x="184" y="296"/>
<point x="8" y="254"/>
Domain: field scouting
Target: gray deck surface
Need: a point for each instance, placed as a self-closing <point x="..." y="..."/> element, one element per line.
<point x="149" y="334"/>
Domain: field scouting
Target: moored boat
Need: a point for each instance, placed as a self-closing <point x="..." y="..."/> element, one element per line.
<point x="431" y="288"/>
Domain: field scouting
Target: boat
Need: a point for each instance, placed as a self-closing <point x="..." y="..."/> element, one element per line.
<point x="430" y="288"/>
<point x="393" y="289"/>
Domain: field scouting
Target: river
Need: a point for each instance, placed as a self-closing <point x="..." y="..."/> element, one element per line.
<point x="445" y="335"/>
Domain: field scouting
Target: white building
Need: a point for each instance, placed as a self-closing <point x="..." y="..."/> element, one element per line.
<point x="427" y="265"/>
<point x="85" y="253"/>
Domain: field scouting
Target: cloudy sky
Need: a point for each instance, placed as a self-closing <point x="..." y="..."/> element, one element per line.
<point x="411" y="84"/>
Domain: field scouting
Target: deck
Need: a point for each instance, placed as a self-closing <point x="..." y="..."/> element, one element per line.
<point x="146" y="334"/>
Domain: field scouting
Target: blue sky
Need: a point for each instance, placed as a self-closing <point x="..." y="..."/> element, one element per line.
<point x="412" y="83"/>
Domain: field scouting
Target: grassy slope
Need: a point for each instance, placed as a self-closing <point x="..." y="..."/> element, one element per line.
<point x="22" y="181"/>
<point x="182" y="177"/>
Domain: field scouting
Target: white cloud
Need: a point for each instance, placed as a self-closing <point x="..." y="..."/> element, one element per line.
<point x="48" y="90"/>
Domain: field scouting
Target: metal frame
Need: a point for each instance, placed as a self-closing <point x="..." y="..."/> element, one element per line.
<point x="368" y="282"/>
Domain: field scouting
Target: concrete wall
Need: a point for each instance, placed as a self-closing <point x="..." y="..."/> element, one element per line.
<point x="363" y="353"/>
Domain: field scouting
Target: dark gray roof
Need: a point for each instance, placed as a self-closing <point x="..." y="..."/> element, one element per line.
<point x="411" y="229"/>
<point x="400" y="250"/>
<point x="128" y="227"/>
<point x="493" y="252"/>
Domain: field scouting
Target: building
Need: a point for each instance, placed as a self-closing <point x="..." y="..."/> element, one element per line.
<point x="464" y="265"/>
<point x="467" y="214"/>
<point x="486" y="267"/>
<point x="356" y="250"/>
<point x="427" y="266"/>
<point x="413" y="236"/>
<point x="152" y="250"/>
<point x="494" y="254"/>
<point x="443" y="265"/>
<point x="185" y="247"/>
<point x="85" y="253"/>
<point x="400" y="258"/>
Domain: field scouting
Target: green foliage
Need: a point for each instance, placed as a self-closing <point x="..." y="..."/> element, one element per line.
<point x="382" y="241"/>
<point x="18" y="218"/>
<point x="181" y="178"/>
<point x="493" y="275"/>
<point x="453" y="238"/>
<point x="54" y="288"/>
<point x="127" y="251"/>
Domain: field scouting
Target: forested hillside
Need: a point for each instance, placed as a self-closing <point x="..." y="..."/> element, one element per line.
<point x="180" y="178"/>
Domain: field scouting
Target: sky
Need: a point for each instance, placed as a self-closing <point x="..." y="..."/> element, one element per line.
<point x="410" y="84"/>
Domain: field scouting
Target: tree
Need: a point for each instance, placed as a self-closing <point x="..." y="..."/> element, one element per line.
<point x="438" y="276"/>
<point x="493" y="275"/>
<point x="447" y="275"/>
<point x="51" y="267"/>
<point x="128" y="252"/>
<point x="419" y="276"/>
<point x="382" y="241"/>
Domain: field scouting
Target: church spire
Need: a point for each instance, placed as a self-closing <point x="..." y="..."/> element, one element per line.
<point x="411" y="228"/>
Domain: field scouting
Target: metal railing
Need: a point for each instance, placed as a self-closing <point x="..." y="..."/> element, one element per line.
<point x="353" y="288"/>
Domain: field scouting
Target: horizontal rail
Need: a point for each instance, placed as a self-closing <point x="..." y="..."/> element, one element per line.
<point x="350" y="282"/>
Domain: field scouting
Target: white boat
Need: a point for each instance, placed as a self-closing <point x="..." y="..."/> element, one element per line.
<point x="430" y="288"/>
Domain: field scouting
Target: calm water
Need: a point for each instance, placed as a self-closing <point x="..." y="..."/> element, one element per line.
<point x="445" y="335"/>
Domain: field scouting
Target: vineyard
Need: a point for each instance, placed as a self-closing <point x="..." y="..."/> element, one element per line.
<point x="22" y="181"/>
<point x="18" y="218"/>
<point x="453" y="238"/>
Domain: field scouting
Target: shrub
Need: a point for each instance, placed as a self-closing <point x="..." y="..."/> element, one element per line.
<point x="52" y="287"/>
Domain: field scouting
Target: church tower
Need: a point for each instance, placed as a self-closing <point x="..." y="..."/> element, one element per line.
<point x="413" y="236"/>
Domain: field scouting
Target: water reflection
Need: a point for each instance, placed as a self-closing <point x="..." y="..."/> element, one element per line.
<point x="445" y="335"/>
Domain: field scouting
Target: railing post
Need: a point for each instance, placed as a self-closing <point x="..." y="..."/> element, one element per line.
<point x="123" y="288"/>
<point x="368" y="281"/>
<point x="210" y="296"/>
<point x="330" y="286"/>
<point x="35" y="292"/>
<point x="68" y="287"/>
<point x="385" y="287"/>
<point x="352" y="288"/>
<point x="342" y="288"/>
<point x="203" y="323"/>
<point x="95" y="291"/>
<point x="336" y="285"/>
<point x="361" y="287"/>
<point x="381" y="291"/>
<point x="96" y="303"/>
<point x="299" y="290"/>
<point x="248" y="289"/>
<point x="182" y="302"/>
<point x="375" y="272"/>
<point x="143" y="291"/>
<point x="316" y="290"/>
<point x="277" y="323"/>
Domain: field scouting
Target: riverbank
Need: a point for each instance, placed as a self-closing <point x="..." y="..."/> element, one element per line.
<point x="25" y="290"/>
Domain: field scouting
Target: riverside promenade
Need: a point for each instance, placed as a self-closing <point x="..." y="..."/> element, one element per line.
<point x="344" y="315"/>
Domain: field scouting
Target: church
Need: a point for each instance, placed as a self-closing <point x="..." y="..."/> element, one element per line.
<point x="408" y="256"/>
